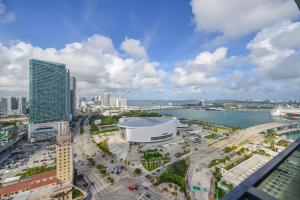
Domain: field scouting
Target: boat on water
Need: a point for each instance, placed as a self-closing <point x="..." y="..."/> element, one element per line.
<point x="282" y="112"/>
<point x="215" y="109"/>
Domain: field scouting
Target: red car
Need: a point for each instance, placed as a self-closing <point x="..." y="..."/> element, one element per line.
<point x="132" y="187"/>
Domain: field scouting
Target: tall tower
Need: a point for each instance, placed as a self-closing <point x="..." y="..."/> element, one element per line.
<point x="4" y="106"/>
<point x="64" y="165"/>
<point x="22" y="105"/>
<point x="72" y="95"/>
<point x="106" y="99"/>
<point x="49" y="92"/>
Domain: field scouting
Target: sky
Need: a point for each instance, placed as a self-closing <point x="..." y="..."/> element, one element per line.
<point x="159" y="49"/>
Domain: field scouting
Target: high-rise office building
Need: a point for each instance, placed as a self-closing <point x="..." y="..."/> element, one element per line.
<point x="202" y="103"/>
<point x="13" y="106"/>
<point x="4" y="106"/>
<point x="112" y="101"/>
<point x="16" y="106"/>
<point x="22" y="105"/>
<point x="13" y="102"/>
<point x="77" y="102"/>
<point x="106" y="99"/>
<point x="121" y="102"/>
<point x="73" y="100"/>
<point x="49" y="93"/>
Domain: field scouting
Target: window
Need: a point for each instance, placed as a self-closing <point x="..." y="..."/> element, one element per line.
<point x="162" y="137"/>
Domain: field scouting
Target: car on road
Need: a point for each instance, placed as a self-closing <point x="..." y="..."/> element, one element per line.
<point x="132" y="187"/>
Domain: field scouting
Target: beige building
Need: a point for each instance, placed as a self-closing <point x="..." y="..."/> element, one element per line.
<point x="64" y="154"/>
<point x="55" y="184"/>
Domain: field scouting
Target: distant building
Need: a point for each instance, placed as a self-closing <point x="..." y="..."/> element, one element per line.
<point x="121" y="103"/>
<point x="77" y="102"/>
<point x="13" y="102"/>
<point x="4" y="106"/>
<point x="13" y="106"/>
<point x="22" y="105"/>
<point x="147" y="129"/>
<point x="49" y="93"/>
<point x="73" y="99"/>
<point x="97" y="100"/>
<point x="202" y="103"/>
<point x="112" y="101"/>
<point x="106" y="99"/>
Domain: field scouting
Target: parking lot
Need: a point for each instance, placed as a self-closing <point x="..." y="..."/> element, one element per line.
<point x="26" y="155"/>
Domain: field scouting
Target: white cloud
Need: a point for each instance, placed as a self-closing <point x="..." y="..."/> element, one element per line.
<point x="236" y="17"/>
<point x="201" y="70"/>
<point x="94" y="61"/>
<point x="133" y="48"/>
<point x="275" y="51"/>
<point x="5" y="16"/>
<point x="241" y="81"/>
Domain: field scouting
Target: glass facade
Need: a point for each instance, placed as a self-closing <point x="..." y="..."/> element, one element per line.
<point x="72" y="95"/>
<point x="49" y="94"/>
<point x="279" y="179"/>
<point x="284" y="181"/>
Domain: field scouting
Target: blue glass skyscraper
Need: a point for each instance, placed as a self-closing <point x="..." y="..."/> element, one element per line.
<point x="49" y="91"/>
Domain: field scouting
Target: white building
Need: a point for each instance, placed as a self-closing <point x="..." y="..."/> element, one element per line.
<point x="113" y="101"/>
<point x="121" y="103"/>
<point x="149" y="129"/>
<point x="77" y="102"/>
<point x="202" y="103"/>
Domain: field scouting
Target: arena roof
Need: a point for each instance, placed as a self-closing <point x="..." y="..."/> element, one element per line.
<point x="143" y="121"/>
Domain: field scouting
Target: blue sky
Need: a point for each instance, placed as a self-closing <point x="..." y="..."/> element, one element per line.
<point x="56" y="23"/>
<point x="159" y="49"/>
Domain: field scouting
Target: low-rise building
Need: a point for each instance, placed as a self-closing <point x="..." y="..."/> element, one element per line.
<point x="36" y="182"/>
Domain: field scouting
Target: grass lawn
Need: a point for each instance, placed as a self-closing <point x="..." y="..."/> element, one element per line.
<point x="236" y="162"/>
<point x="36" y="170"/>
<point x="211" y="136"/>
<point x="152" y="159"/>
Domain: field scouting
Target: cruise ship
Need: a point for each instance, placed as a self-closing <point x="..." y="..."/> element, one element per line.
<point x="288" y="111"/>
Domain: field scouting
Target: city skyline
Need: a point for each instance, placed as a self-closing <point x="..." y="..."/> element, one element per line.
<point x="134" y="53"/>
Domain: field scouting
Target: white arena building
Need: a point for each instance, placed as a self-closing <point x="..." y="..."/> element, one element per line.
<point x="147" y="129"/>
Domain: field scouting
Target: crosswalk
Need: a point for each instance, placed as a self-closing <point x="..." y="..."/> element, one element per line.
<point x="147" y="195"/>
<point x="98" y="182"/>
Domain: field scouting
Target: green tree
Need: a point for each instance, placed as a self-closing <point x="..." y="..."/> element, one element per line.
<point x="137" y="171"/>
